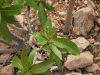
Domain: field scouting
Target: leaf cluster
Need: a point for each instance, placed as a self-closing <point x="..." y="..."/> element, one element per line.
<point x="47" y="38"/>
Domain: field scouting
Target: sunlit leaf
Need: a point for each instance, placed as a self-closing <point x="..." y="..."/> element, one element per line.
<point x="68" y="45"/>
<point x="17" y="63"/>
<point x="24" y="59"/>
<point x="41" y="67"/>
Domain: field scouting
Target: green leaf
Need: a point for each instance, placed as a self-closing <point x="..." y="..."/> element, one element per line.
<point x="1" y="1"/>
<point x="24" y="59"/>
<point x="46" y="47"/>
<point x="41" y="39"/>
<point x="58" y="62"/>
<point x="17" y="63"/>
<point x="44" y="73"/>
<point x="18" y="2"/>
<point x="0" y="17"/>
<point x="21" y="72"/>
<point x="32" y="4"/>
<point x="68" y="45"/>
<point x="12" y="10"/>
<point x="9" y="19"/>
<point x="6" y="5"/>
<point x="63" y="51"/>
<point x="41" y="67"/>
<point x="52" y="56"/>
<point x="56" y="51"/>
<point x="53" y="33"/>
<point x="98" y="15"/>
<point x="31" y="57"/>
<point x="48" y="27"/>
<point x="28" y="73"/>
<point x="4" y="32"/>
<point x="48" y="7"/>
<point x="42" y="15"/>
<point x="9" y="1"/>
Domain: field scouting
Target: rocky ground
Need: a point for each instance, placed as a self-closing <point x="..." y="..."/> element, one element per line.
<point x="85" y="33"/>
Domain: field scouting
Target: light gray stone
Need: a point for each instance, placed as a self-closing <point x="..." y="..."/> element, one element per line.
<point x="62" y="13"/>
<point x="81" y="43"/>
<point x="83" y="21"/>
<point x="79" y="61"/>
<point x="79" y="74"/>
<point x="92" y="68"/>
<point x="19" y="18"/>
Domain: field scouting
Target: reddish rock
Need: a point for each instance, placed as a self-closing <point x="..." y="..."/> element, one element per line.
<point x="8" y="70"/>
<point x="79" y="61"/>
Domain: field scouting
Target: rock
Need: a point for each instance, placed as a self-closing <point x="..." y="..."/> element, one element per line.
<point x="53" y="68"/>
<point x="98" y="64"/>
<point x="62" y="13"/>
<point x="97" y="58"/>
<point x="81" y="43"/>
<point x="96" y="29"/>
<point x="37" y="62"/>
<point x="97" y="21"/>
<point x="8" y="70"/>
<point x="80" y="61"/>
<point x="3" y="57"/>
<point x="91" y="40"/>
<point x="96" y="13"/>
<point x="59" y="37"/>
<point x="97" y="43"/>
<point x="79" y="74"/>
<point x="98" y="69"/>
<point x="19" y="18"/>
<point x="92" y="68"/>
<point x="92" y="4"/>
<point x="83" y="21"/>
<point x="85" y="2"/>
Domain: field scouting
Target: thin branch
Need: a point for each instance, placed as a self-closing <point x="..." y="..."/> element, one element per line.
<point x="34" y="20"/>
<point x="15" y="49"/>
<point x="16" y="38"/>
<point x="27" y="18"/>
<point x="6" y="43"/>
<point x="16" y="28"/>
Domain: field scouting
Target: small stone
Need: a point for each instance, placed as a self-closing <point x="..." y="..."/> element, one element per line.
<point x="79" y="61"/>
<point x="98" y="64"/>
<point x="97" y="43"/>
<point x="96" y="29"/>
<point x="81" y="43"/>
<point x="8" y="70"/>
<point x="19" y="18"/>
<point x="59" y="37"/>
<point x="97" y="58"/>
<point x="78" y="74"/>
<point x="92" y="68"/>
<point x="91" y="40"/>
<point x="62" y="13"/>
<point x="85" y="2"/>
<point x="3" y="57"/>
<point x="37" y="62"/>
<point x="98" y="69"/>
<point x="96" y="12"/>
<point x="53" y="68"/>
